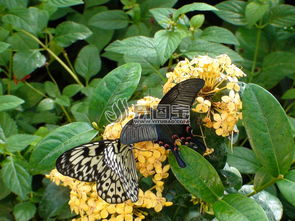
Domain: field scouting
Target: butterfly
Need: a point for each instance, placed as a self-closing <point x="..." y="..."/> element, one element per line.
<point x="166" y="134"/>
<point x="108" y="163"/>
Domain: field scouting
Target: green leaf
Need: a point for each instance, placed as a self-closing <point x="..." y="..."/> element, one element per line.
<point x="25" y="62"/>
<point x="271" y="205"/>
<point x="192" y="48"/>
<point x="231" y="177"/>
<point x="51" y="89"/>
<point x="22" y="42"/>
<point x="166" y="43"/>
<point x="255" y="11"/>
<point x="199" y="177"/>
<point x="16" y="177"/>
<point x="45" y="104"/>
<point x="3" y="46"/>
<point x="31" y="19"/>
<point x="80" y="112"/>
<point x="54" y="199"/>
<point x="88" y="62"/>
<point x="235" y="207"/>
<point x="8" y="102"/>
<point x="219" y="35"/>
<point x="263" y="116"/>
<point x="4" y="190"/>
<point x="68" y="32"/>
<point x="289" y="94"/>
<point x="14" y="4"/>
<point x="64" y="3"/>
<point x="232" y="12"/>
<point x="163" y="16"/>
<point x="63" y="100"/>
<point x="18" y="142"/>
<point x="90" y="3"/>
<point x="197" y="21"/>
<point x="118" y="84"/>
<point x="58" y="141"/>
<point x="282" y="15"/>
<point x="24" y="211"/>
<point x="7" y="124"/>
<point x="71" y="90"/>
<point x="275" y="67"/>
<point x="244" y="160"/>
<point x="287" y="186"/>
<point x="197" y="6"/>
<point x="292" y="124"/>
<point x="111" y="19"/>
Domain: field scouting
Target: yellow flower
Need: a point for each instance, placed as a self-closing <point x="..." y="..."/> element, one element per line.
<point x="219" y="94"/>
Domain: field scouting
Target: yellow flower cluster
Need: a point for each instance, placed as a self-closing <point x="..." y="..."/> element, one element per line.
<point x="149" y="158"/>
<point x="219" y="99"/>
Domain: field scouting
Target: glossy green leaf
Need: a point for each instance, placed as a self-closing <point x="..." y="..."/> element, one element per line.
<point x="18" y="142"/>
<point x="192" y="48"/>
<point x="63" y="100"/>
<point x="8" y="102"/>
<point x="219" y="35"/>
<point x="231" y="177"/>
<point x="282" y="15"/>
<point x="271" y="205"/>
<point x="16" y="177"/>
<point x="199" y="177"/>
<point x="51" y="89"/>
<point x="197" y="6"/>
<point x="287" y="186"/>
<point x="163" y="16"/>
<point x="25" y="62"/>
<point x="111" y="19"/>
<point x="243" y="159"/>
<point x="3" y="46"/>
<point x="197" y="21"/>
<point x="88" y="62"/>
<point x="58" y="141"/>
<point x="53" y="200"/>
<point x="14" y="4"/>
<point x="8" y="125"/>
<point x="24" y="211"/>
<point x="4" y="190"/>
<point x="289" y="94"/>
<point x="255" y="11"/>
<point x="268" y="129"/>
<point x="118" y="84"/>
<point x="20" y="41"/>
<point x="68" y="32"/>
<point x="90" y="3"/>
<point x="232" y="12"/>
<point x="235" y="207"/>
<point x="31" y="19"/>
<point x="64" y="3"/>
<point x="292" y="124"/>
<point x="275" y="67"/>
<point x="71" y="90"/>
<point x="166" y="43"/>
<point x="45" y="104"/>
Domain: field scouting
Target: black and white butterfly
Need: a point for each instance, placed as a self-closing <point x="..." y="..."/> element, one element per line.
<point x="108" y="163"/>
<point x="183" y="93"/>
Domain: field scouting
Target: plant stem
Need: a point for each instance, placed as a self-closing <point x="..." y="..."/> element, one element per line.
<point x="35" y="89"/>
<point x="272" y="181"/>
<point x="290" y="106"/>
<point x="56" y="57"/>
<point x="65" y="54"/>
<point x="66" y="113"/>
<point x="258" y="37"/>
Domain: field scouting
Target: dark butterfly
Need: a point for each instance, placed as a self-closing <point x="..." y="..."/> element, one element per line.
<point x="108" y="163"/>
<point x="181" y="95"/>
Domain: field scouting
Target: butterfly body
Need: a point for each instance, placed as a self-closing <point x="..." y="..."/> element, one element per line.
<point x="108" y="163"/>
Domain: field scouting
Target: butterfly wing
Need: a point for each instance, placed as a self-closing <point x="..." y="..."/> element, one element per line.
<point x="137" y="132"/>
<point x="121" y="159"/>
<point x="91" y="162"/>
<point x="84" y="163"/>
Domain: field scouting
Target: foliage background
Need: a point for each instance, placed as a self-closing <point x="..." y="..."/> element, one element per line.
<point x="54" y="55"/>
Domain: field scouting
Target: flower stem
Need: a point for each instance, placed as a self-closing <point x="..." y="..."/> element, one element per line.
<point x="55" y="56"/>
<point x="35" y="89"/>
<point x="258" y="37"/>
